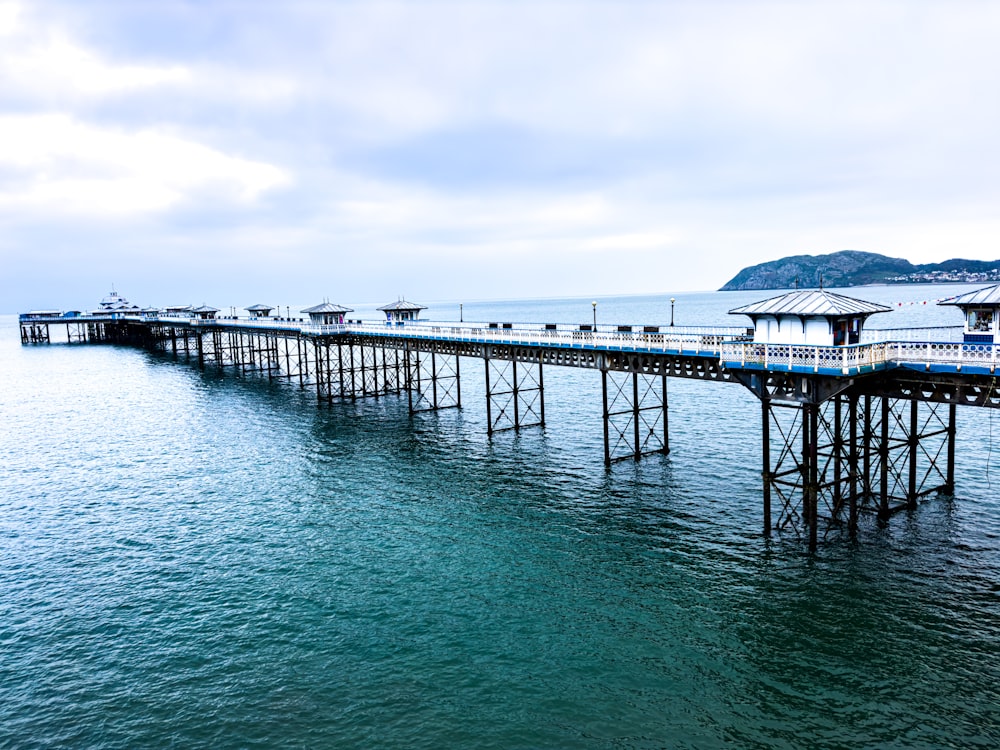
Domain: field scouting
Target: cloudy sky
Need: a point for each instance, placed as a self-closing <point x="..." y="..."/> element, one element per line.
<point x="236" y="151"/>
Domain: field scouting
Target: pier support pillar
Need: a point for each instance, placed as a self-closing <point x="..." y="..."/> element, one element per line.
<point x="948" y="487"/>
<point x="634" y="411"/>
<point x="828" y="462"/>
<point x="433" y="380"/>
<point x="765" y="407"/>
<point x="515" y="392"/>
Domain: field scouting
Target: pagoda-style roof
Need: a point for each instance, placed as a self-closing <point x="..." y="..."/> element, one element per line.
<point x="402" y="305"/>
<point x="327" y="307"/>
<point x="205" y="309"/>
<point x="259" y="308"/>
<point x="988" y="297"/>
<point x="811" y="303"/>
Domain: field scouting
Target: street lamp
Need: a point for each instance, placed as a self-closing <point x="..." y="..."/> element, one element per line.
<point x="461" y="314"/>
<point x="672" y="300"/>
<point x="594" y="305"/>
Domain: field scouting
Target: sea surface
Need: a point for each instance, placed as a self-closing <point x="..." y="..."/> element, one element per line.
<point x="195" y="560"/>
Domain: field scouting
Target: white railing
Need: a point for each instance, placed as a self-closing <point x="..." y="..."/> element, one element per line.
<point x="845" y="359"/>
<point x="920" y="347"/>
<point x="267" y="324"/>
<point x="861" y="357"/>
<point x="698" y="341"/>
<point x="940" y="353"/>
<point x="931" y="333"/>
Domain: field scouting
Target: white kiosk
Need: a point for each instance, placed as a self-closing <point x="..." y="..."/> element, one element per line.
<point x="205" y="312"/>
<point x="809" y="318"/>
<point x="399" y="312"/>
<point x="327" y="314"/>
<point x="259" y="311"/>
<point x="982" y="313"/>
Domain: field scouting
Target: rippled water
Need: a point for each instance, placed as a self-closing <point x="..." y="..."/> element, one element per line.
<point x="195" y="560"/>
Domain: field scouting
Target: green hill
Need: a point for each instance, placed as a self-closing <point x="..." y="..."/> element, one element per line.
<point x="856" y="268"/>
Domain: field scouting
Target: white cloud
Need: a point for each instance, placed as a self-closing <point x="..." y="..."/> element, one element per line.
<point x="61" y="165"/>
<point x="57" y="66"/>
<point x="9" y="13"/>
<point x="41" y="62"/>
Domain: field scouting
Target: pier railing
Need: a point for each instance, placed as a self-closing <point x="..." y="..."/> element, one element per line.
<point x="861" y="358"/>
<point x="945" y="355"/>
<point x="830" y="360"/>
<point x="937" y="348"/>
<point x="703" y="340"/>
<point x="927" y="333"/>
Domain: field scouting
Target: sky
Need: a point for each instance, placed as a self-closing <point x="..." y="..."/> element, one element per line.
<point x="232" y="152"/>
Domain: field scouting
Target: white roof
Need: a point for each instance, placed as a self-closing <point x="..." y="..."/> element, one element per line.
<point x="402" y="305"/>
<point x="327" y="307"/>
<point x="989" y="296"/>
<point x="811" y="302"/>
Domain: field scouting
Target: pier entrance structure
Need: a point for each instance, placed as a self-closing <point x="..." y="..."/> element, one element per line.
<point x="852" y="421"/>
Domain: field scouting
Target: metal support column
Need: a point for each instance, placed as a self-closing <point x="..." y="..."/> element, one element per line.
<point x="765" y="421"/>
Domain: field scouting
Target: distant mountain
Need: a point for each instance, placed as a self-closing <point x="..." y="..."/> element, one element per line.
<point x="856" y="268"/>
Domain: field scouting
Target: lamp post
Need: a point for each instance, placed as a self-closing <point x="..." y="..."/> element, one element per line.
<point x="594" y="305"/>
<point x="672" y="300"/>
<point x="287" y="313"/>
<point x="461" y="314"/>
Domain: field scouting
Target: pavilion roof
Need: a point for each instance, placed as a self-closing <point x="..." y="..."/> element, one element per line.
<point x="811" y="302"/>
<point x="327" y="307"/>
<point x="401" y="305"/>
<point x="989" y="296"/>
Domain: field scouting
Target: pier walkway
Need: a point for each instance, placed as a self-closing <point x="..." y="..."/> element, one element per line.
<point x="845" y="429"/>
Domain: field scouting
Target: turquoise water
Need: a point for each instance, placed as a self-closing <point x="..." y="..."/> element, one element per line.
<point x="195" y="560"/>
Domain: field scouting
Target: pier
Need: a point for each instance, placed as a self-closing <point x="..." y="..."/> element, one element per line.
<point x="852" y="421"/>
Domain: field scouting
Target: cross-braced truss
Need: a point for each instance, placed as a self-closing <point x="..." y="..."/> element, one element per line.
<point x="515" y="395"/>
<point x="432" y="380"/>
<point x="377" y="370"/>
<point x="825" y="463"/>
<point x="635" y="415"/>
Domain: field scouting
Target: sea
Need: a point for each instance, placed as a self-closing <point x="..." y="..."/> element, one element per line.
<point x="191" y="559"/>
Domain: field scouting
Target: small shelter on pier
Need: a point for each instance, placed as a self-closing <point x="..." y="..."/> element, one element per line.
<point x="115" y="304"/>
<point x="259" y="311"/>
<point x="205" y="312"/>
<point x="982" y="314"/>
<point x="327" y="314"/>
<point x="177" y="311"/>
<point x="401" y="311"/>
<point x="810" y="318"/>
<point x="44" y="314"/>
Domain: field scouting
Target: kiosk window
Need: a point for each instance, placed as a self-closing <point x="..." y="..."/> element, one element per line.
<point x="980" y="320"/>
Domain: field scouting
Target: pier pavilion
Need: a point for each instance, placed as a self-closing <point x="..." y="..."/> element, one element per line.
<point x="982" y="314"/>
<point x="846" y="428"/>
<point x="401" y="311"/>
<point x="816" y="318"/>
<point x="259" y="311"/>
<point x="326" y="314"/>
